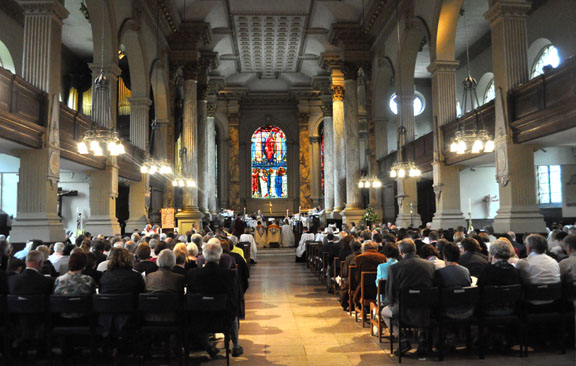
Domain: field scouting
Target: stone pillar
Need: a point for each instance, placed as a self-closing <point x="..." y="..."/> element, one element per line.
<point x="408" y="203"/>
<point x="139" y="114"/>
<point x="514" y="163"/>
<point x="138" y="196"/>
<point x="315" y="179"/>
<point x="103" y="194"/>
<point x="190" y="217"/>
<point x="202" y="156"/>
<point x="223" y="172"/>
<point x="160" y="142"/>
<point x="446" y="178"/>
<point x="210" y="183"/>
<point x="37" y="216"/>
<point x="339" y="146"/>
<point x="328" y="157"/>
<point x="233" y="161"/>
<point x="405" y="104"/>
<point x="353" y="211"/>
<point x="304" y="157"/>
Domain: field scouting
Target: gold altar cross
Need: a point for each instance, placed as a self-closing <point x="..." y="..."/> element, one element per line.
<point x="270" y="206"/>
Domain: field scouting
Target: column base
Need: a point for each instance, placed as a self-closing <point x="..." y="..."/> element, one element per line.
<point x="136" y="224"/>
<point x="352" y="214"/>
<point x="336" y="213"/>
<point x="407" y="220"/>
<point x="104" y="225"/>
<point x="448" y="219"/>
<point x="189" y="219"/>
<point x="43" y="228"/>
<point x="528" y="220"/>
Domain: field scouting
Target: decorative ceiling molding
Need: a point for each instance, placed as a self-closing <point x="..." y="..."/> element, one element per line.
<point x="269" y="44"/>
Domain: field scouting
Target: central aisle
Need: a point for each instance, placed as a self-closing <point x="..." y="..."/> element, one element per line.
<point x="292" y="320"/>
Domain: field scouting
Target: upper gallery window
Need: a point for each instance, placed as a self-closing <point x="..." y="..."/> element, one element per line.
<point x="490" y="92"/>
<point x="547" y="57"/>
<point x="419" y="103"/>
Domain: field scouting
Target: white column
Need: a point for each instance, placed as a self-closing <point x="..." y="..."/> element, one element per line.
<point x="211" y="182"/>
<point x="353" y="211"/>
<point x="339" y="129"/>
<point x="328" y="158"/>
<point x="139" y="116"/>
<point x="408" y="203"/>
<point x="190" y="216"/>
<point x="40" y="169"/>
<point x="514" y="163"/>
<point x="100" y="109"/>
<point x="316" y="171"/>
<point x="203" y="178"/>
<point x="103" y="194"/>
<point x="138" y="198"/>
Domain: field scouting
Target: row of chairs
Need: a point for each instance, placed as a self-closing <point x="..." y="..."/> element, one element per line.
<point x="369" y="304"/>
<point x="54" y="312"/>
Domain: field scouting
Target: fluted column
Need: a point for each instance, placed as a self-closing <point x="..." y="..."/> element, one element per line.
<point x="353" y="211"/>
<point x="339" y="146"/>
<point x="139" y="115"/>
<point x="40" y="169"/>
<point x="233" y="161"/>
<point x="408" y="203"/>
<point x="202" y="156"/>
<point x="103" y="194"/>
<point x="138" y="203"/>
<point x="190" y="216"/>
<point x="328" y="157"/>
<point x="514" y="163"/>
<point x="405" y="103"/>
<point x="305" y="194"/>
<point x="211" y="183"/>
<point x="160" y="142"/>
<point x="100" y="109"/>
<point x="316" y="171"/>
<point x="446" y="178"/>
<point x="223" y="171"/>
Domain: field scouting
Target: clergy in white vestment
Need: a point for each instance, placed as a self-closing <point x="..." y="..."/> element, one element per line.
<point x="306" y="236"/>
<point x="249" y="238"/>
<point x="287" y="235"/>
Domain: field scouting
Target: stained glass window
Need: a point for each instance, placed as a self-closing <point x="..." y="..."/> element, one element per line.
<point x="268" y="163"/>
<point x="549" y="184"/>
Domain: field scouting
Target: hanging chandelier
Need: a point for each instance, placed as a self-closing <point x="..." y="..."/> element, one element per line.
<point x="153" y="166"/>
<point x="403" y="169"/>
<point x="477" y="139"/>
<point x="369" y="183"/>
<point x="181" y="181"/>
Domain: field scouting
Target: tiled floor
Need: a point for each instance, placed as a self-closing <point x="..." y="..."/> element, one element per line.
<point x="292" y="320"/>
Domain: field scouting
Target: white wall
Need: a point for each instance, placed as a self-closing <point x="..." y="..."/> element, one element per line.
<point x="9" y="193"/>
<point x="81" y="183"/>
<point x="474" y="185"/>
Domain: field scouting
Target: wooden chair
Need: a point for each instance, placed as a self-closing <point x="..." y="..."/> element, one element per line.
<point x="376" y="311"/>
<point x="245" y="246"/>
<point x="351" y="288"/>
<point x="337" y="270"/>
<point x="368" y="292"/>
<point x="324" y="269"/>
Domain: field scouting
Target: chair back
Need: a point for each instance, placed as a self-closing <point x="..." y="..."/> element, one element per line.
<point x="452" y="297"/>
<point x="206" y="303"/>
<point x="368" y="290"/>
<point x="418" y="298"/>
<point x="543" y="292"/>
<point x="159" y="302"/>
<point x="245" y="246"/>
<point x="569" y="291"/>
<point x="114" y="303"/>
<point x="352" y="278"/>
<point x="81" y="304"/>
<point x="499" y="296"/>
<point x="27" y="304"/>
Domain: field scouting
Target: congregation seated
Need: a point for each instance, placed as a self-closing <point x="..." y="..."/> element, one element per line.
<point x="165" y="280"/>
<point x="74" y="282"/>
<point x="47" y="267"/>
<point x="453" y="275"/>
<point x="472" y="258"/>
<point x="144" y="263"/>
<point x="241" y="266"/>
<point x="350" y="260"/>
<point x="121" y="278"/>
<point x="430" y="253"/>
<point x="568" y="265"/>
<point x="213" y="279"/>
<point x="31" y="281"/>
<point x="249" y="238"/>
<point x="368" y="261"/>
<point x="226" y="261"/>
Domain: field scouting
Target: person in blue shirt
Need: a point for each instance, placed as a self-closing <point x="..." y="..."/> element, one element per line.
<point x="392" y="253"/>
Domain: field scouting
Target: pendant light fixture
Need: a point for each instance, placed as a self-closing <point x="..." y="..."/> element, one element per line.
<point x="401" y="169"/>
<point x="477" y="139"/>
<point x="100" y="140"/>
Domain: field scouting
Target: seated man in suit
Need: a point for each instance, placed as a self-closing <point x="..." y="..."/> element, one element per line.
<point x="30" y="281"/>
<point x="472" y="258"/>
<point x="368" y="261"/>
<point x="212" y="279"/>
<point x="412" y="272"/>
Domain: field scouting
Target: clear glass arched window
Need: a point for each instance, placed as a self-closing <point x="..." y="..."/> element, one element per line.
<point x="547" y="57"/>
<point x="490" y="92"/>
<point x="269" y="163"/>
<point x="419" y="104"/>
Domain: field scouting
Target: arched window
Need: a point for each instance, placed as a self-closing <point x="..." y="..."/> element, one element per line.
<point x="419" y="103"/>
<point x="490" y="92"/>
<point x="547" y="57"/>
<point x="6" y="60"/>
<point x="268" y="163"/>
